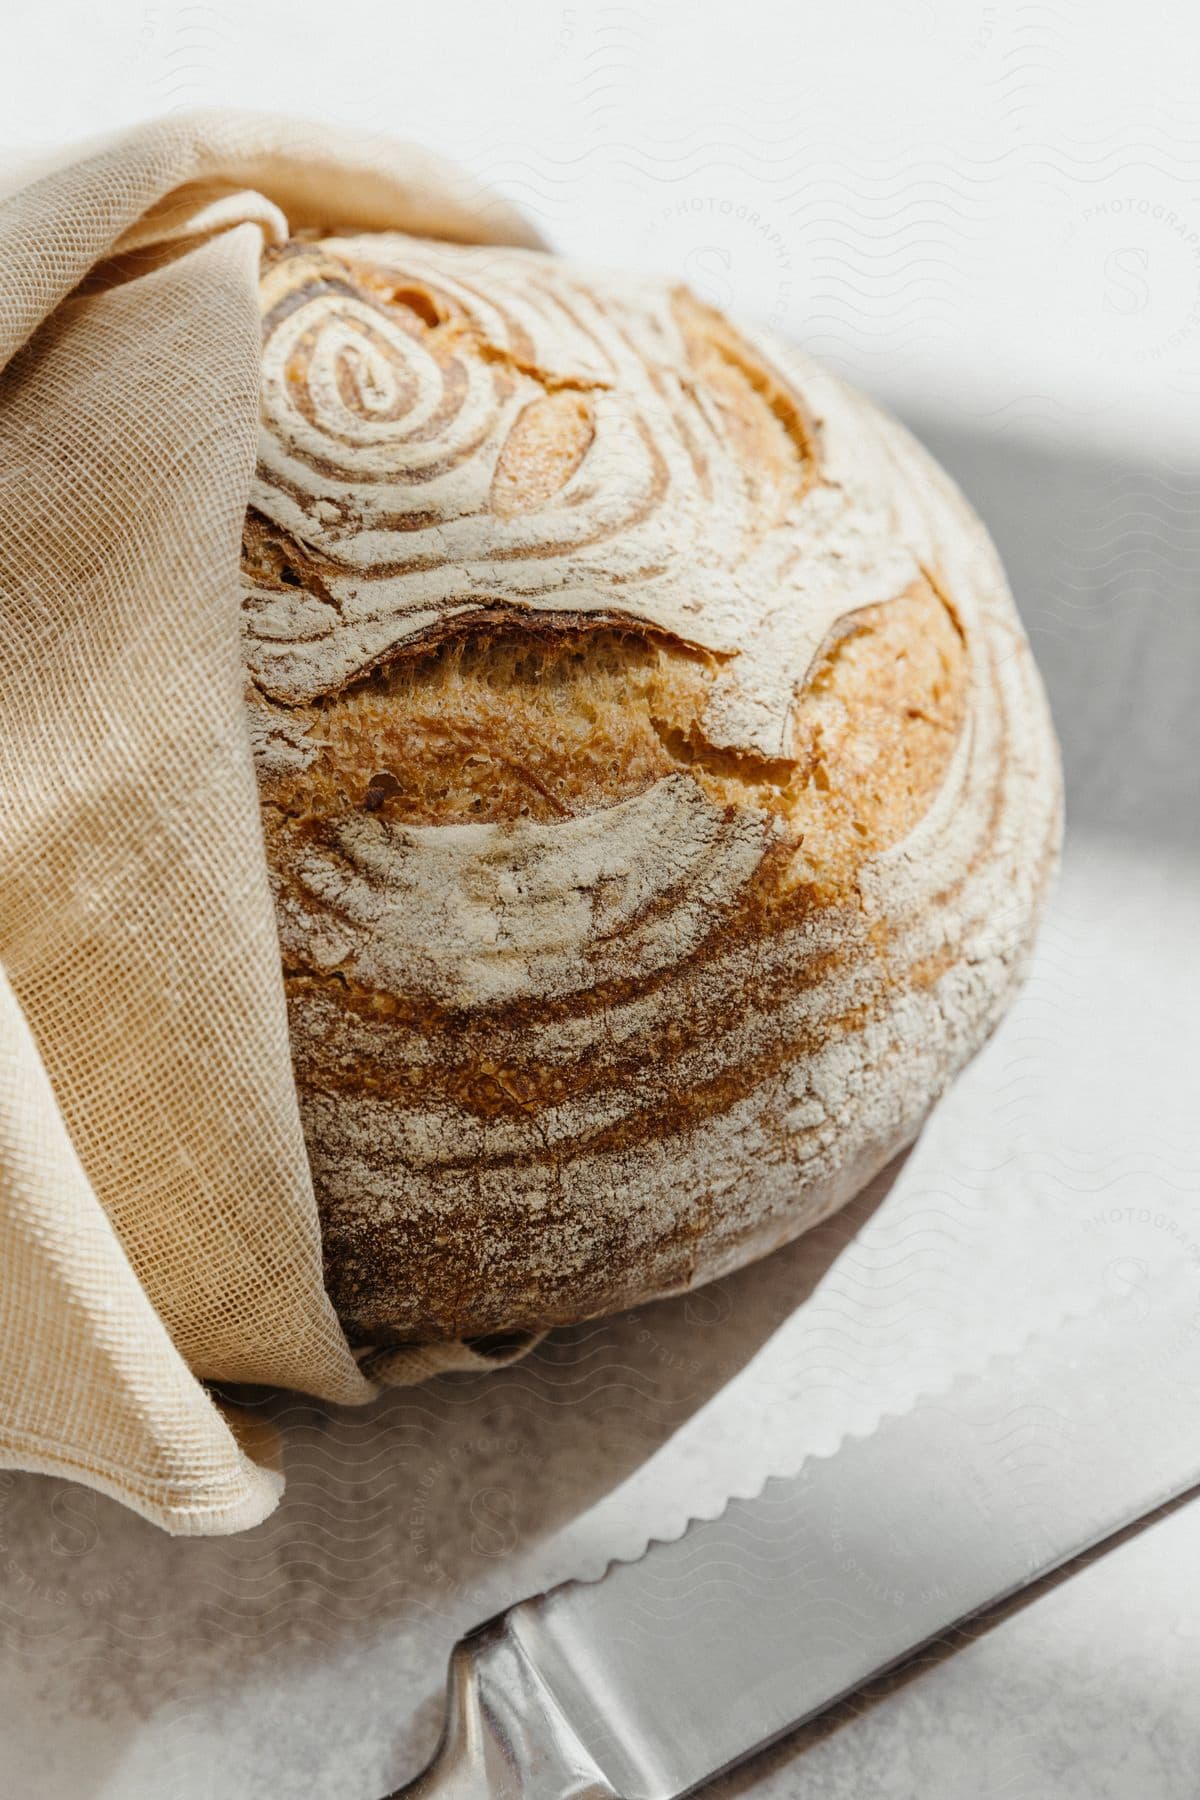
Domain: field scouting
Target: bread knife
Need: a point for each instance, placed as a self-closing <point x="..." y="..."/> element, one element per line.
<point x="667" y="1670"/>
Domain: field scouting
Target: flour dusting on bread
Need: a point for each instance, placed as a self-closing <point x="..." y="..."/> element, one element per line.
<point x="657" y="787"/>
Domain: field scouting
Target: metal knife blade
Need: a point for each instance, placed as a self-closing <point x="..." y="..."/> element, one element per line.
<point x="669" y="1669"/>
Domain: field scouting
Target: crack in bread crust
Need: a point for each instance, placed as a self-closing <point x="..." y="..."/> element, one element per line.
<point x="657" y="789"/>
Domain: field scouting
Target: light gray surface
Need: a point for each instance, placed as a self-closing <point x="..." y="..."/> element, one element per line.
<point x="676" y="1665"/>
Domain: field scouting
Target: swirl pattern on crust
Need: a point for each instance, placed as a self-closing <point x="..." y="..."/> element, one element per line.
<point x="658" y="790"/>
<point x="404" y="385"/>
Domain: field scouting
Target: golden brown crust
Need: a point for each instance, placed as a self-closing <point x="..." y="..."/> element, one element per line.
<point x="512" y="723"/>
<point x="613" y="957"/>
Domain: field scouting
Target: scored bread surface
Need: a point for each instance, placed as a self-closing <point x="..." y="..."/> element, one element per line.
<point x="657" y="788"/>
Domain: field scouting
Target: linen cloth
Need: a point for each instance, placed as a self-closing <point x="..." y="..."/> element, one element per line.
<point x="158" y="1228"/>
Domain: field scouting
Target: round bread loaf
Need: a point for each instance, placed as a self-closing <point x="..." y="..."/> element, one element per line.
<point x="657" y="787"/>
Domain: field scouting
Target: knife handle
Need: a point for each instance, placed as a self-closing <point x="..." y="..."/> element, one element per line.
<point x="504" y="1737"/>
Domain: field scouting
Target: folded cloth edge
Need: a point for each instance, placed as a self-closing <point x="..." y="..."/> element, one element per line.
<point x="94" y="1386"/>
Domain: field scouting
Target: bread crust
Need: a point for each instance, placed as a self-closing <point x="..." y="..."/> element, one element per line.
<point x="658" y="791"/>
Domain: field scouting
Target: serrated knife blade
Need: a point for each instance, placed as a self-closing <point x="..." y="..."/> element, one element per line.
<point x="667" y="1670"/>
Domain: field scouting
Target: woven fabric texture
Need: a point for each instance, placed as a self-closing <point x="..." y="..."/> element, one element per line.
<point x="157" y="1221"/>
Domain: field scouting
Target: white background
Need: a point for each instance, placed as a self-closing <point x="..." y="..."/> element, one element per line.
<point x="989" y="216"/>
<point x="993" y="209"/>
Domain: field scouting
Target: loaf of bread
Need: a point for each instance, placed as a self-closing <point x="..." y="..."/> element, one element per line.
<point x="657" y="787"/>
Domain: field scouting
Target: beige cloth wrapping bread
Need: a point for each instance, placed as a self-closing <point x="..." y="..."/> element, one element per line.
<point x="157" y="1222"/>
